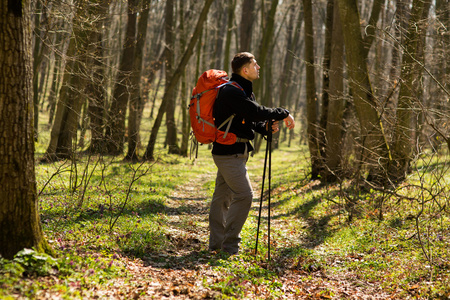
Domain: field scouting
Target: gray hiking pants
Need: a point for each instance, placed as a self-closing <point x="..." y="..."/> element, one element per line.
<point x="231" y="202"/>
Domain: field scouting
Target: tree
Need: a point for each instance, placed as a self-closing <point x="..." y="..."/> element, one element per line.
<point x="19" y="217"/>
<point x="404" y="129"/>
<point x="374" y="150"/>
<point x="96" y="90"/>
<point x="149" y="153"/>
<point x="115" y="129"/>
<point x="72" y="93"/>
<point x="136" y="101"/>
<point x="246" y="28"/>
<point x="336" y="105"/>
<point x="171" y="137"/>
<point x="311" y="98"/>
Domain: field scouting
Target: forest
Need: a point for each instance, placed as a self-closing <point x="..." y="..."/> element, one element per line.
<point x="105" y="192"/>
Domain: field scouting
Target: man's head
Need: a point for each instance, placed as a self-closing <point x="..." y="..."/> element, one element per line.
<point x="245" y="64"/>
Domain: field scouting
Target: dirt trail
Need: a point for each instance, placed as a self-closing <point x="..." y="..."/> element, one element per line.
<point x="180" y="272"/>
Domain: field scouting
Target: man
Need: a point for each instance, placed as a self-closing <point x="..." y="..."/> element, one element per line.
<point x="233" y="192"/>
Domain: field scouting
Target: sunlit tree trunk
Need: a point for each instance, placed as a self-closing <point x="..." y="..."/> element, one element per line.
<point x="404" y="130"/>
<point x="311" y="97"/>
<point x="19" y="216"/>
<point x="336" y="105"/>
<point x="374" y="151"/>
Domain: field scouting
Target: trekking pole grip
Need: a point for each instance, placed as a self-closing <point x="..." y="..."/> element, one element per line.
<point x="269" y="130"/>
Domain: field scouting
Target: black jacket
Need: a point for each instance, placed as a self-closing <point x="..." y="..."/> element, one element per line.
<point x="250" y="116"/>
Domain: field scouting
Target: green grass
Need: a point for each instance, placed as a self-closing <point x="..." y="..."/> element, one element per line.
<point x="98" y="220"/>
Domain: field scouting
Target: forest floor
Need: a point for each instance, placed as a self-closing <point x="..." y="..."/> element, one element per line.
<point x="180" y="273"/>
<point x="158" y="247"/>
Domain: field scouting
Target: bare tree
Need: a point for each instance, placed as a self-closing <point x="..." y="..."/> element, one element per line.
<point x="72" y="92"/>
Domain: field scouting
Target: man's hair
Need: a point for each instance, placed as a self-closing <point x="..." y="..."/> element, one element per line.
<point x="240" y="60"/>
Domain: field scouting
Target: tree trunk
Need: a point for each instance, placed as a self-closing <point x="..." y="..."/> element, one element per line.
<point x="230" y="18"/>
<point x="246" y="27"/>
<point x="326" y="78"/>
<point x="115" y="129"/>
<point x="149" y="154"/>
<point x="171" y="125"/>
<point x="184" y="94"/>
<point x="286" y="74"/>
<point x="96" y="86"/>
<point x="19" y="214"/>
<point x="374" y="151"/>
<point x="311" y="97"/>
<point x="411" y="70"/>
<point x="136" y="96"/>
<point x="336" y="106"/>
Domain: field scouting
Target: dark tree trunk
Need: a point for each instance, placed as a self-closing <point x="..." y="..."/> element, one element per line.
<point x="246" y="28"/>
<point x="136" y="101"/>
<point x="115" y="128"/>
<point x="19" y="216"/>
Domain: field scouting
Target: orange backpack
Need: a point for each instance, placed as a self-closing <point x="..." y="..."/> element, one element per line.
<point x="201" y="106"/>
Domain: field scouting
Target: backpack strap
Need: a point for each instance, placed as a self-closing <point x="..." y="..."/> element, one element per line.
<point x="230" y="118"/>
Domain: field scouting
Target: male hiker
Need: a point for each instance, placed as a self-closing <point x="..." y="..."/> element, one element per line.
<point x="233" y="193"/>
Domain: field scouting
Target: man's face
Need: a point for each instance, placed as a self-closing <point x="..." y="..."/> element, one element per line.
<point x="251" y="70"/>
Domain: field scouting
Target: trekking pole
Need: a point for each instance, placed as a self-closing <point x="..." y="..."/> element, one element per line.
<point x="268" y="148"/>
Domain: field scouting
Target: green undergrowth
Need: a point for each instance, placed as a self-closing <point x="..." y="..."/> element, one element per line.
<point x="97" y="211"/>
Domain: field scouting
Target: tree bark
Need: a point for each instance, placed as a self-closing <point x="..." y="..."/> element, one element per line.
<point x="19" y="213"/>
<point x="246" y="27"/>
<point x="230" y="18"/>
<point x="149" y="154"/>
<point x="96" y="86"/>
<point x="374" y="151"/>
<point x="311" y="97"/>
<point x="336" y="106"/>
<point x="115" y="128"/>
<point x="184" y="93"/>
<point x="410" y="84"/>
<point x="136" y="101"/>
<point x="171" y="125"/>
<point x="326" y="78"/>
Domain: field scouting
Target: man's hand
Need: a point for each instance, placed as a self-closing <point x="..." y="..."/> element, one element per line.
<point x="289" y="121"/>
<point x="275" y="126"/>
